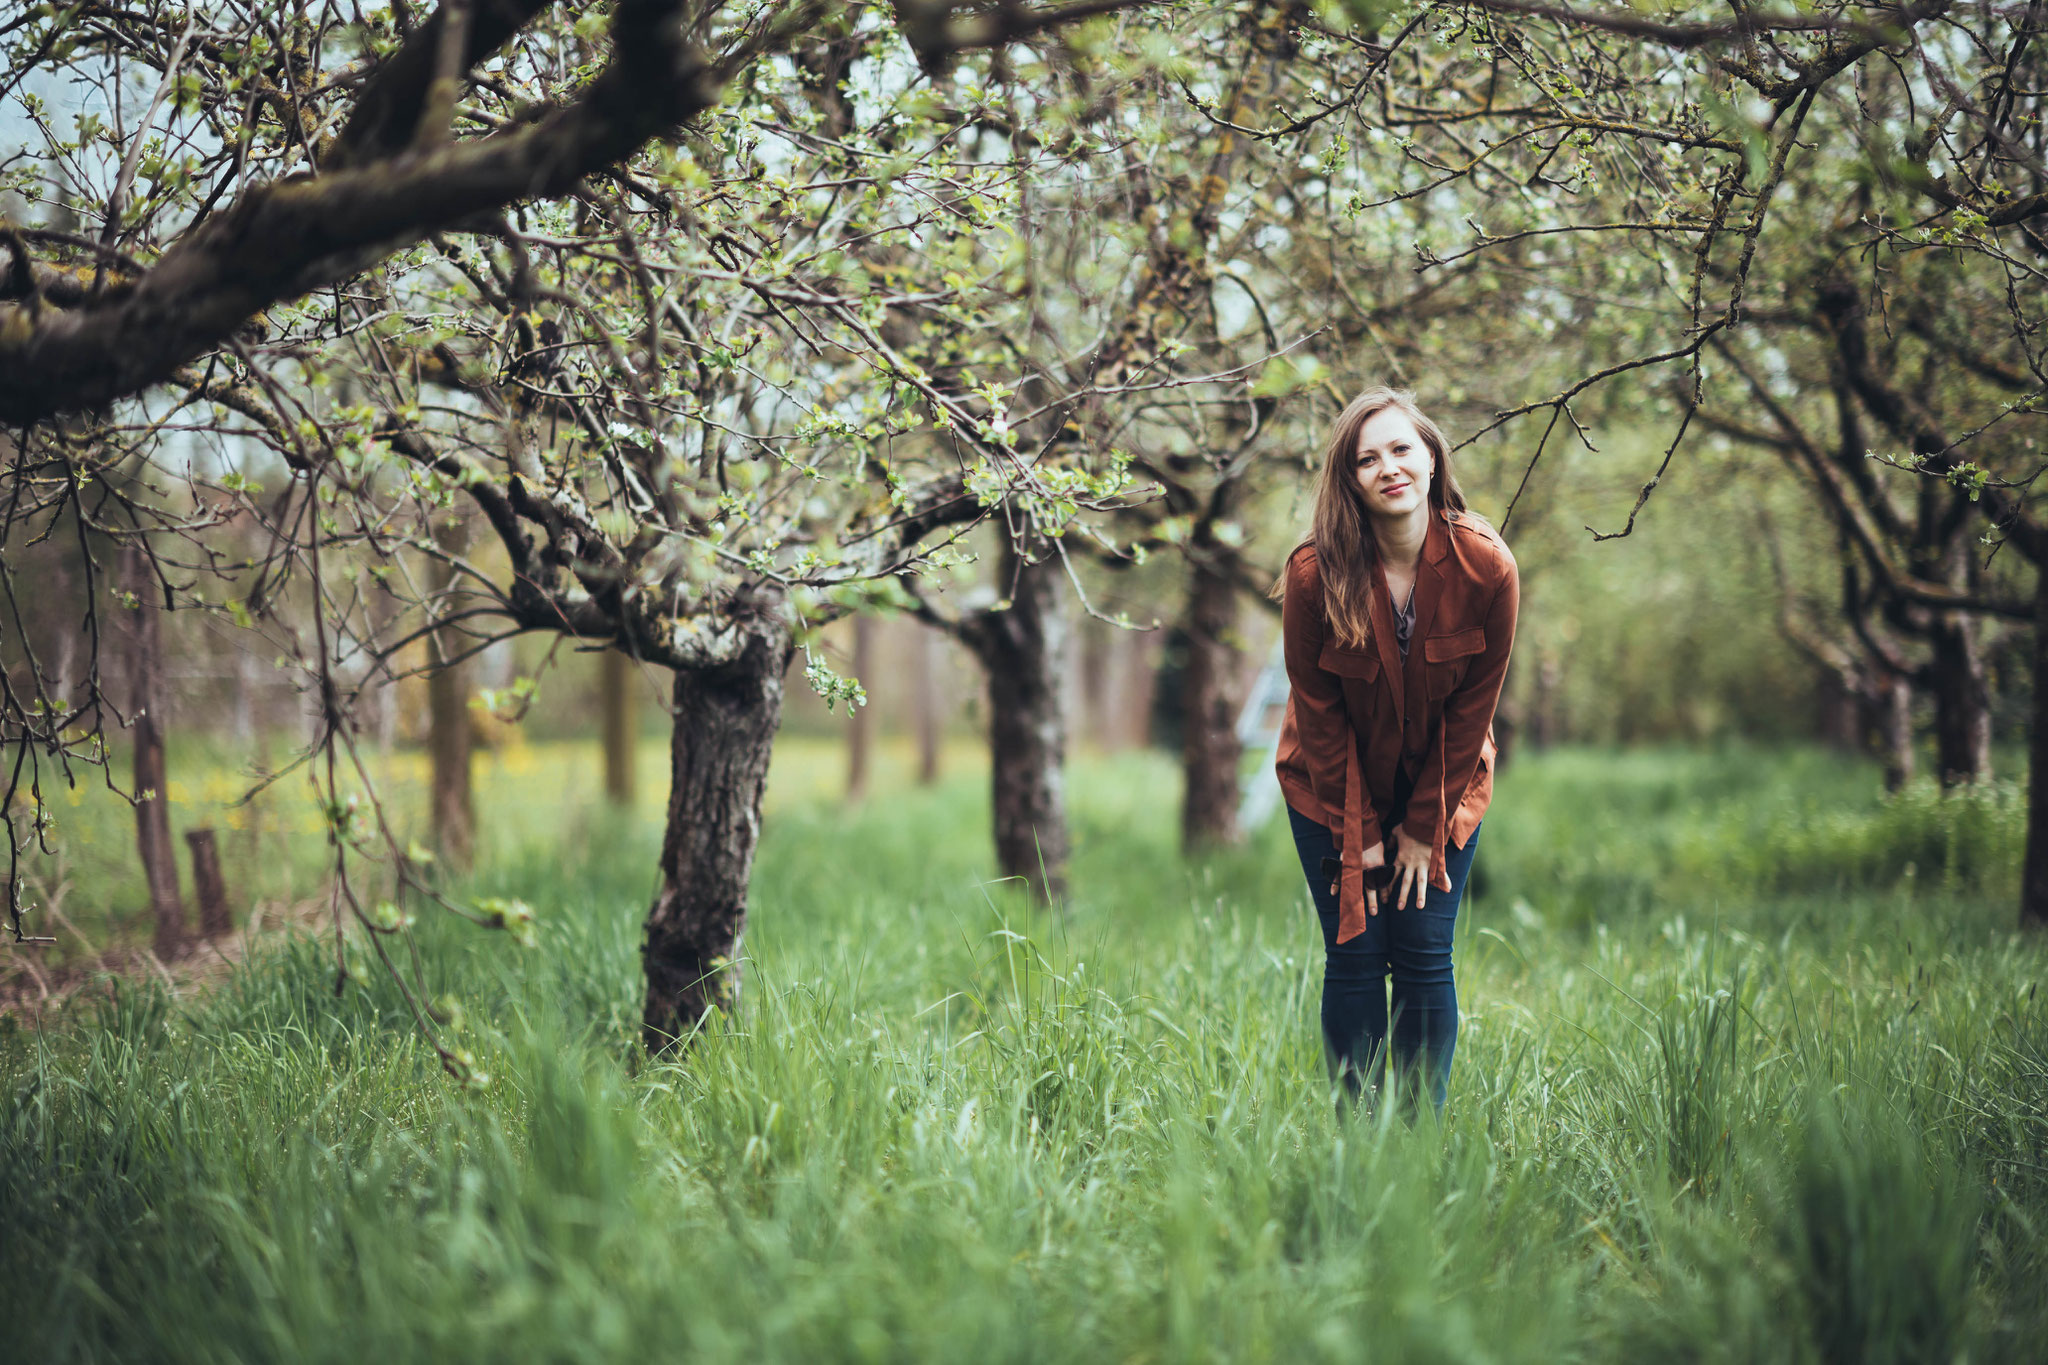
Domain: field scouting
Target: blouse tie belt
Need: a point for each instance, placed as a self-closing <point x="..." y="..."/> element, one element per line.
<point x="1351" y="916"/>
<point x="1351" y="919"/>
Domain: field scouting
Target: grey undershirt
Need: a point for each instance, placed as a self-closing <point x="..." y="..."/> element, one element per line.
<point x="1404" y="623"/>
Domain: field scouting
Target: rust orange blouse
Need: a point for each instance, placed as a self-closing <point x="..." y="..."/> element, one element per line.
<point x="1355" y="718"/>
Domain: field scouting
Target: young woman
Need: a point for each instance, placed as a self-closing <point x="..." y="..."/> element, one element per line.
<point x="1398" y="612"/>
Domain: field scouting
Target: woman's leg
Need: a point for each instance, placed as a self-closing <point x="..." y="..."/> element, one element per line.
<point x="1425" y="990"/>
<point x="1354" y="1012"/>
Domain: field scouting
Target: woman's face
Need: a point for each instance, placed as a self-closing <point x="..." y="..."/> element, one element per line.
<point x="1393" y="465"/>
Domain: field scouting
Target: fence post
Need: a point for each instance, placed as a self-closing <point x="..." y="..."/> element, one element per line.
<point x="207" y="887"/>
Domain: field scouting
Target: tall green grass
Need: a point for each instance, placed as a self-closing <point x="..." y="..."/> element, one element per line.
<point x="1732" y="1085"/>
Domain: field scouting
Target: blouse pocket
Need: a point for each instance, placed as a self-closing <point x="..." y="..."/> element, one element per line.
<point x="1448" y="656"/>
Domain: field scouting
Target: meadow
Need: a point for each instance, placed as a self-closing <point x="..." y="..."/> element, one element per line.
<point x="1752" y="1068"/>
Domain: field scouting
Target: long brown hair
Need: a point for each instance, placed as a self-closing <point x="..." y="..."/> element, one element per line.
<point x="1342" y="530"/>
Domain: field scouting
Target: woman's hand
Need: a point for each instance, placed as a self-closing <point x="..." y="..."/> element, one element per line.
<point x="1375" y="856"/>
<point x="1411" y="869"/>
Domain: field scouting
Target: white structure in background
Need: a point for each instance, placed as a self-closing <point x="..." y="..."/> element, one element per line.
<point x="1258" y="731"/>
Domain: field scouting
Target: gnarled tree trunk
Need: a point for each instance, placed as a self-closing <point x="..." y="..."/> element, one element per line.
<point x="725" y="722"/>
<point x="1023" y="649"/>
<point x="1210" y="753"/>
<point x="2034" y="882"/>
<point x="1962" y="702"/>
<point x="146" y="697"/>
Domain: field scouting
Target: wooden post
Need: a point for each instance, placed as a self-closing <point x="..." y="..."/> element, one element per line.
<point x="207" y="887"/>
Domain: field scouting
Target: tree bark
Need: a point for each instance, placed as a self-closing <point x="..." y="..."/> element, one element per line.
<point x="2034" y="879"/>
<point x="725" y="722"/>
<point x="450" y="738"/>
<point x="615" y="700"/>
<point x="1962" y="702"/>
<point x="1023" y="650"/>
<point x="1210" y="753"/>
<point x="860" y="725"/>
<point x="152" y="777"/>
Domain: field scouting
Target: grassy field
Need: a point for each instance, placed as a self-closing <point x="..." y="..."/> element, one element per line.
<point x="1752" y="1068"/>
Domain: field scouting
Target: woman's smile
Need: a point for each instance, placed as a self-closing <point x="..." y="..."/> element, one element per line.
<point x="1392" y="464"/>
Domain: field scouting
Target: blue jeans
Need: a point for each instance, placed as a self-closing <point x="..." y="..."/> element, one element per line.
<point x="1414" y="948"/>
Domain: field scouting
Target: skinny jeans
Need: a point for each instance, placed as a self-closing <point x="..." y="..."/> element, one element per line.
<point x="1413" y="948"/>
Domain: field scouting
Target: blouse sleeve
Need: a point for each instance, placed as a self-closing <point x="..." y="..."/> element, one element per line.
<point x="1320" y="716"/>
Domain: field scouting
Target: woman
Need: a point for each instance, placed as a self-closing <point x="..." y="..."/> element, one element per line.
<point x="1398" y="612"/>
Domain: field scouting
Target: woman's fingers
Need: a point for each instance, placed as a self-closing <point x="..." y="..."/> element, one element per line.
<point x="1410" y="878"/>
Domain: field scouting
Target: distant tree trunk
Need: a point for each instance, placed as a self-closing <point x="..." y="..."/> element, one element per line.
<point x="450" y="738"/>
<point x="930" y="706"/>
<point x="1093" y="720"/>
<point x="1895" y="729"/>
<point x="615" y="700"/>
<point x="63" y="685"/>
<point x="378" y="690"/>
<point x="244" y="720"/>
<point x="1836" y="716"/>
<point x="1023" y="650"/>
<point x="1210" y="753"/>
<point x="725" y="722"/>
<point x="1962" y="702"/>
<point x="1128" y="690"/>
<point x="2034" y="881"/>
<point x="1543" y="723"/>
<point x="207" y="886"/>
<point x="860" y="731"/>
<point x="1507" y="725"/>
<point x="146" y="698"/>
